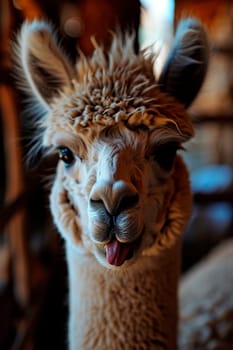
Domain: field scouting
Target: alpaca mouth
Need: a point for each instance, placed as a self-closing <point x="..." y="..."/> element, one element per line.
<point x="117" y="253"/>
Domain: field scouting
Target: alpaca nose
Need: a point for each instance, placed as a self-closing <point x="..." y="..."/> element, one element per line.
<point x="113" y="197"/>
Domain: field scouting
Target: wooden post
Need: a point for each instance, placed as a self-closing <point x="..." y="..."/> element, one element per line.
<point x="16" y="229"/>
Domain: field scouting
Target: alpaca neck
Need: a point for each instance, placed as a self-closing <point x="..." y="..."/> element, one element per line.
<point x="133" y="308"/>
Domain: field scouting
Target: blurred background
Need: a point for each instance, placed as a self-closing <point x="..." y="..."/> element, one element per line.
<point x="33" y="291"/>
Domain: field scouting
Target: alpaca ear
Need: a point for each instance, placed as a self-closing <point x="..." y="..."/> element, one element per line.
<point x="187" y="62"/>
<point x="44" y="65"/>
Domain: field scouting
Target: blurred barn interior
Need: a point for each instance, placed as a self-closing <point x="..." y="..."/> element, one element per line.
<point x="33" y="289"/>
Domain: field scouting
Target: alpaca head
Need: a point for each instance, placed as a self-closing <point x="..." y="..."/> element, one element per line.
<point x="121" y="190"/>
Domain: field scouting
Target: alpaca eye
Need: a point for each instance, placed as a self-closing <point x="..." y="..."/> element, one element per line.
<point x="66" y="156"/>
<point x="165" y="155"/>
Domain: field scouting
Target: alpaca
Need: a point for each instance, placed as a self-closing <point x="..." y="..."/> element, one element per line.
<point x="121" y="197"/>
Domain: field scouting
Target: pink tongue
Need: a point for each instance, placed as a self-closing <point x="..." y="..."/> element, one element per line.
<point x="117" y="252"/>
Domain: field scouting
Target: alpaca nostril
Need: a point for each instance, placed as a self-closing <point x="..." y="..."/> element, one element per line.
<point x="128" y="202"/>
<point x="97" y="203"/>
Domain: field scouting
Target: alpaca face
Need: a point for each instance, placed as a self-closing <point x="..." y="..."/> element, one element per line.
<point x="116" y="184"/>
<point x="116" y="131"/>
